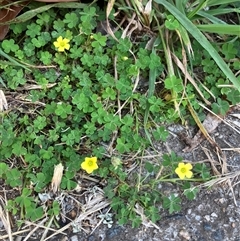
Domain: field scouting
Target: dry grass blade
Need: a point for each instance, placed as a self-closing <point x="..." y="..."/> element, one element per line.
<point x="36" y="87"/>
<point x="108" y="11"/>
<point x="188" y="76"/>
<point x="14" y="234"/>
<point x="147" y="12"/>
<point x="40" y="225"/>
<point x="46" y="230"/>
<point x="219" y="117"/>
<point x="227" y="178"/>
<point x="35" y="229"/>
<point x="57" y="177"/>
<point x="3" y="101"/>
<point x="29" y="101"/>
<point x="208" y="126"/>
<point x="96" y="203"/>
<point x="145" y="221"/>
<point x="5" y="218"/>
<point x="128" y="32"/>
<point x="6" y="224"/>
<point x="211" y="160"/>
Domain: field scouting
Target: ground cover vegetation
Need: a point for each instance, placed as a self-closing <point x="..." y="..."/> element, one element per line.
<point x="93" y="99"/>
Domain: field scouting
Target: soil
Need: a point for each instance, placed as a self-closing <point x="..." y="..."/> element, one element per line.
<point x="213" y="216"/>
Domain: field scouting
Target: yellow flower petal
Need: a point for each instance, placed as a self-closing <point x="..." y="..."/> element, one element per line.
<point x="189" y="174"/>
<point x="61" y="44"/>
<point x="181" y="165"/>
<point x="90" y="164"/>
<point x="183" y="170"/>
<point x="188" y="166"/>
<point x="179" y="173"/>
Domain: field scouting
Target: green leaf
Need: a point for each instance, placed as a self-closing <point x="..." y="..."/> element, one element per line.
<point x="63" y="110"/>
<point x="100" y="40"/>
<point x="172" y="203"/>
<point x="33" y="30"/>
<point x="25" y="200"/>
<point x="34" y="213"/>
<point x="149" y="167"/>
<point x="221" y="107"/>
<point x="234" y="96"/>
<point x="9" y="45"/>
<point x="153" y="214"/>
<point x="71" y="19"/>
<point x="3" y="169"/>
<point x="229" y="50"/>
<point x="122" y="145"/>
<point x="202" y="169"/>
<point x="173" y="83"/>
<point x="171" y="23"/>
<point x="18" y="149"/>
<point x="171" y="160"/>
<point x="55" y="210"/>
<point x="161" y="133"/>
<point x="191" y="193"/>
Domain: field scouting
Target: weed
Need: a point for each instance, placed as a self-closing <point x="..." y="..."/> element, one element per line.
<point x="82" y="101"/>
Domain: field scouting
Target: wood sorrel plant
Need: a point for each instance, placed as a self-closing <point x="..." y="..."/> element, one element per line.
<point x="80" y="97"/>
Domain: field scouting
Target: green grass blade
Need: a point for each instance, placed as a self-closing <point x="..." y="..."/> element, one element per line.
<point x="218" y="2"/>
<point x="151" y="89"/>
<point x="196" y="33"/>
<point x="220" y="29"/>
<point x="12" y="60"/>
<point x="210" y="17"/>
<point x="200" y="6"/>
<point x="222" y="11"/>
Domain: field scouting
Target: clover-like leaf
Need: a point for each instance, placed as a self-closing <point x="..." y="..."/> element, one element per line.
<point x="234" y="96"/>
<point x="173" y="83"/>
<point x="220" y="107"/>
<point x="171" y="23"/>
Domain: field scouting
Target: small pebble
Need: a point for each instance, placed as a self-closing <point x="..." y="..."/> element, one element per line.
<point x="184" y="234"/>
<point x="218" y="235"/>
<point x="207" y="217"/>
<point x="91" y="238"/>
<point x="207" y="226"/>
<point x="222" y="200"/>
<point x="200" y="207"/>
<point x="65" y="239"/>
<point x="198" y="218"/>
<point x="74" y="238"/>
<point x="113" y="232"/>
<point x="214" y="215"/>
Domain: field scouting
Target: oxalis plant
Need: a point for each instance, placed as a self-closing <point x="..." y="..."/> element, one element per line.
<point x="88" y="101"/>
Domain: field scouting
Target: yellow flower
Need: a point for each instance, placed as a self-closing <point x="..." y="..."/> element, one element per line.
<point x="183" y="170"/>
<point x="124" y="58"/>
<point x="62" y="44"/>
<point x="90" y="164"/>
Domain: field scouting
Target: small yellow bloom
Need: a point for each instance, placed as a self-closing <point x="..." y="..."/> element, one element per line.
<point x="90" y="164"/>
<point x="183" y="170"/>
<point x="62" y="44"/>
<point x="124" y="58"/>
<point x="116" y="162"/>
